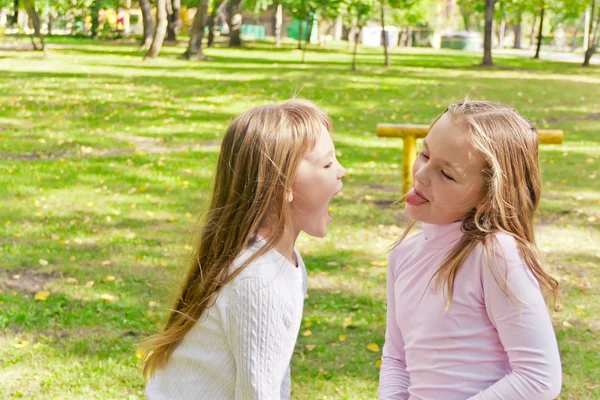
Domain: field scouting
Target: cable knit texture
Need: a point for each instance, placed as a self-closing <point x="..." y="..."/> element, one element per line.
<point x="241" y="348"/>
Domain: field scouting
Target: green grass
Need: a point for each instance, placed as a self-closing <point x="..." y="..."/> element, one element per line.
<point x="105" y="163"/>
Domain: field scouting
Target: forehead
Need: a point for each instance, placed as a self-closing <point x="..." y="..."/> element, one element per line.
<point x="322" y="147"/>
<point x="449" y="141"/>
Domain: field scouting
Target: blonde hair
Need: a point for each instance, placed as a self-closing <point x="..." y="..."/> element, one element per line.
<point x="510" y="196"/>
<point x="259" y="157"/>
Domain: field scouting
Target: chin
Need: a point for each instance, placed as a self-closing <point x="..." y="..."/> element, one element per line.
<point x="317" y="232"/>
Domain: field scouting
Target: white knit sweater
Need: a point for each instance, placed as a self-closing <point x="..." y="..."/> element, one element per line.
<point x="241" y="348"/>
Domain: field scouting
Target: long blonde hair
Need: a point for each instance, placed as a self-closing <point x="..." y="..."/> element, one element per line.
<point x="259" y="157"/>
<point x="511" y="193"/>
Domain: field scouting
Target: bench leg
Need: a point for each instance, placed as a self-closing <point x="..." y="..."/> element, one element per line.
<point x="409" y="154"/>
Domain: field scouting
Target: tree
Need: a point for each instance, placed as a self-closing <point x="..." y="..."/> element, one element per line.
<point x="540" y="32"/>
<point x="34" y="17"/>
<point x="360" y="11"/>
<point x="173" y="20"/>
<point x="194" y="50"/>
<point x="161" y="29"/>
<point x="234" y="20"/>
<point x="487" y="37"/>
<point x="148" y="23"/>
<point x="216" y="11"/>
<point x="592" y="35"/>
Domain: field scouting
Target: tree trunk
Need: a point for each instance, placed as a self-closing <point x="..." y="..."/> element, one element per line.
<point x="532" y="33"/>
<point x="517" y="31"/>
<point x="194" y="50"/>
<point x="540" y="37"/>
<point x="383" y="34"/>
<point x="50" y="21"/>
<point x="212" y="18"/>
<point x="300" y="35"/>
<point x="161" y="30"/>
<point x="278" y="23"/>
<point x="310" y="26"/>
<point x="501" y="30"/>
<point x="356" y="36"/>
<point x="94" y="11"/>
<point x="148" y="23"/>
<point x="234" y="19"/>
<point x="34" y="17"/>
<point x="487" y="39"/>
<point x="174" y="24"/>
<point x="14" y="20"/>
<point x="593" y="40"/>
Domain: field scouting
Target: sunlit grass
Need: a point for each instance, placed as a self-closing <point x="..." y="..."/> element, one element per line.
<point x="106" y="162"/>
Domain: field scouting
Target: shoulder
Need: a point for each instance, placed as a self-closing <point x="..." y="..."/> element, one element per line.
<point x="500" y="246"/>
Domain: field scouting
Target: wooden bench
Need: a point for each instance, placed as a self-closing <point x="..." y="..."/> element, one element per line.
<point x="409" y="133"/>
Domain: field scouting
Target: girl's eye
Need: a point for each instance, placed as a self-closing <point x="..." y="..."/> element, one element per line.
<point x="329" y="165"/>
<point x="447" y="176"/>
<point x="424" y="155"/>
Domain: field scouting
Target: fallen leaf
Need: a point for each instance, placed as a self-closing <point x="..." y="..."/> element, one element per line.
<point x="567" y="324"/>
<point x="89" y="283"/>
<point x="347" y="322"/>
<point x="373" y="347"/>
<point x="42" y="296"/>
<point x="110" y="278"/>
<point x="43" y="262"/>
<point x="342" y="338"/>
<point x="308" y="324"/>
<point x="71" y="280"/>
<point x="306" y="333"/>
<point x="107" y="297"/>
<point x="310" y="347"/>
<point x="16" y="277"/>
<point x="19" y="344"/>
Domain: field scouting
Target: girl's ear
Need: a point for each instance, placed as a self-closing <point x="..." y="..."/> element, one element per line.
<point x="289" y="196"/>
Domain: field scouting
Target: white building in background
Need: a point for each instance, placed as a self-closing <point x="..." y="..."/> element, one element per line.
<point x="371" y="35"/>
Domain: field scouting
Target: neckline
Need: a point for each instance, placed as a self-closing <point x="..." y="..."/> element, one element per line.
<point x="442" y="235"/>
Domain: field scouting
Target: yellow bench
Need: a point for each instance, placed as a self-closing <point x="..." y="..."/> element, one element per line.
<point x="409" y="133"/>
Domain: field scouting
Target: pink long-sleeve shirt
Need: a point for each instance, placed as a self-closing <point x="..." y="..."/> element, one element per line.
<point x="486" y="346"/>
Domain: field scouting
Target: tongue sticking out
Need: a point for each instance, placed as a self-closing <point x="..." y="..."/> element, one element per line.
<point x="414" y="199"/>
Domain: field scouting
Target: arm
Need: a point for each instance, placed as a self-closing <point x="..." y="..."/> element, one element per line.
<point x="524" y="327"/>
<point x="258" y="320"/>
<point x="393" y="377"/>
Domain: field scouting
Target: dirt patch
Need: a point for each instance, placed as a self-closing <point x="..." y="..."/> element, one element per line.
<point x="26" y="281"/>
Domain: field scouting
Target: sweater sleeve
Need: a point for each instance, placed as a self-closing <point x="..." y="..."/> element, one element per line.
<point x="258" y="317"/>
<point x="523" y="324"/>
<point x="393" y="377"/>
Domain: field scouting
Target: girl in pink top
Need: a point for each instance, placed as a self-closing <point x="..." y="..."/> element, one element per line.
<point x="466" y="314"/>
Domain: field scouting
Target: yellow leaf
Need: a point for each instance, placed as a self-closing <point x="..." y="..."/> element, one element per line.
<point x="342" y="338"/>
<point x="16" y="277"/>
<point x="373" y="347"/>
<point x="71" y="280"/>
<point x="164" y="263"/>
<point x="308" y="324"/>
<point x="19" y="344"/>
<point x="143" y="188"/>
<point x="89" y="283"/>
<point x="139" y="353"/>
<point x="43" y="262"/>
<point x="107" y="297"/>
<point x="306" y="333"/>
<point x="378" y="363"/>
<point x="72" y="258"/>
<point x="567" y="324"/>
<point x="152" y="304"/>
<point x="105" y="263"/>
<point x="310" y="347"/>
<point x="42" y="296"/>
<point x="347" y="322"/>
<point x="110" y="278"/>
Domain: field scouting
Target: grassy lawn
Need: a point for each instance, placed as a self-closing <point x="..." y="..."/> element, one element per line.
<point x="105" y="163"/>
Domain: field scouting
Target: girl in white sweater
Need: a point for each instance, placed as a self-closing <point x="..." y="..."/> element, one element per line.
<point x="233" y="328"/>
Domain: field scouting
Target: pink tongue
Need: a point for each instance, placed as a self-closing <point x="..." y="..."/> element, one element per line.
<point x="414" y="199"/>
